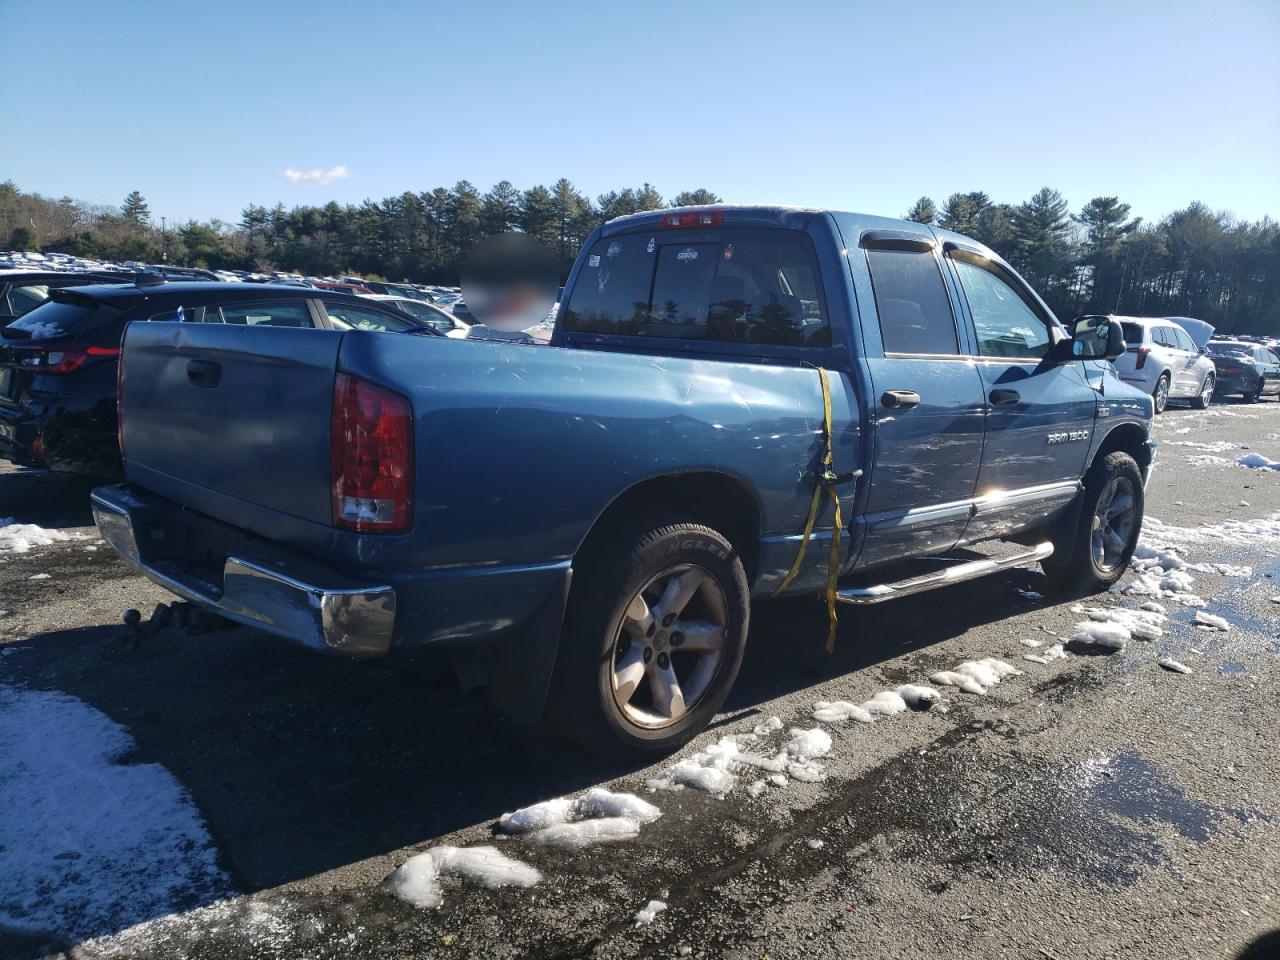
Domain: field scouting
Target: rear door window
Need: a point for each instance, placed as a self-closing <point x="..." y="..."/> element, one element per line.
<point x="274" y="313"/>
<point x="912" y="303"/>
<point x="728" y="286"/>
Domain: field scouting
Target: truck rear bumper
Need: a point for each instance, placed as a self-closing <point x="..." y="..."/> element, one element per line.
<point x="275" y="590"/>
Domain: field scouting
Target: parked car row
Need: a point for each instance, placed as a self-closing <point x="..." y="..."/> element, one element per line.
<point x="58" y="362"/>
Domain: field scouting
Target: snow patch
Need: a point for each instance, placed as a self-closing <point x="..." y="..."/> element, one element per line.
<point x="90" y="845"/>
<point x="650" y="911"/>
<point x="1211" y="622"/>
<point x="976" y="676"/>
<point x="18" y="537"/>
<point x="595" y="803"/>
<point x="1173" y="665"/>
<point x="1055" y="652"/>
<point x="575" y="836"/>
<point x="417" y="880"/>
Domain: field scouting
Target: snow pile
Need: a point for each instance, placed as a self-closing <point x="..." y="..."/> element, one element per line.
<point x="976" y="676"/>
<point x="1145" y="623"/>
<point x="1208" y="621"/>
<point x="1257" y="462"/>
<point x="651" y="910"/>
<point x="1173" y="665"/>
<point x="1208" y="460"/>
<point x="886" y="703"/>
<point x="716" y="768"/>
<point x="575" y="836"/>
<point x="1112" y="636"/>
<point x="18" y="537"/>
<point x="417" y="880"/>
<point x="90" y="845"/>
<point x="1055" y="652"/>
<point x="598" y="816"/>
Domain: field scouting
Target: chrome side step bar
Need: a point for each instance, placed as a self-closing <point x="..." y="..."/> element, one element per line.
<point x="971" y="570"/>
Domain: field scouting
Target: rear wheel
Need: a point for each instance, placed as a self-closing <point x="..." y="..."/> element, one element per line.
<point x="1161" y="393"/>
<point x="655" y="632"/>
<point x="1097" y="553"/>
<point x="1206" y="394"/>
<point x="1255" y="396"/>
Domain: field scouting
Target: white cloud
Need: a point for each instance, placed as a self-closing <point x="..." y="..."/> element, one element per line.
<point x="340" y="172"/>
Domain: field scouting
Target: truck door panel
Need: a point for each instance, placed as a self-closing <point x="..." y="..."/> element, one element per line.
<point x="927" y="400"/>
<point x="1040" y="414"/>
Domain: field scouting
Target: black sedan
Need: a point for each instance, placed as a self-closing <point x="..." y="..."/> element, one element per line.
<point x="58" y="362"/>
<point x="21" y="291"/>
<point x="1249" y="369"/>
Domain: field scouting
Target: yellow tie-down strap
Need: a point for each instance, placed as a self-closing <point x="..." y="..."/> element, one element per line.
<point x="827" y="480"/>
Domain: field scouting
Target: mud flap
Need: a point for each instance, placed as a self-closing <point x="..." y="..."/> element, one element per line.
<point x="523" y="665"/>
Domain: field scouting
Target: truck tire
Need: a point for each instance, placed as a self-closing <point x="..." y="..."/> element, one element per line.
<point x="654" y="636"/>
<point x="1161" y="393"/>
<point x="1201" y="401"/>
<point x="1097" y="552"/>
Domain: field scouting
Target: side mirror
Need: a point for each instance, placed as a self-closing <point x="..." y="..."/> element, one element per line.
<point x="1092" y="338"/>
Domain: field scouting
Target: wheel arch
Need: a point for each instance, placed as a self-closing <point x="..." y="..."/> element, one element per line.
<point x="722" y="501"/>
<point x="1128" y="438"/>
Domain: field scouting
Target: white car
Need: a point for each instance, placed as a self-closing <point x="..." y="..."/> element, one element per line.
<point x="442" y="320"/>
<point x="1163" y="358"/>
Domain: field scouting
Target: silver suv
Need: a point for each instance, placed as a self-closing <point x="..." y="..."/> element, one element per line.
<point x="1163" y="359"/>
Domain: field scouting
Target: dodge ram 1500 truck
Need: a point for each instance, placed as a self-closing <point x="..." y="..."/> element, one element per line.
<point x="592" y="521"/>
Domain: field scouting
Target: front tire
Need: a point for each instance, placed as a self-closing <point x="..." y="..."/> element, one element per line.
<point x="1201" y="402"/>
<point x="654" y="636"/>
<point x="1161" y="393"/>
<point x="1097" y="552"/>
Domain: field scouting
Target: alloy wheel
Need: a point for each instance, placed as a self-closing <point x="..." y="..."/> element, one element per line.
<point x="669" y="646"/>
<point x="1114" y="520"/>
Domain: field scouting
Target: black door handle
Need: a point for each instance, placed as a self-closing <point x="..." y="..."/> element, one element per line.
<point x="1005" y="398"/>
<point x="900" y="399"/>
<point x="203" y="373"/>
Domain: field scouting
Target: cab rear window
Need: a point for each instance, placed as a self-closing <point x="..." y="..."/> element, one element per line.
<point x="731" y="286"/>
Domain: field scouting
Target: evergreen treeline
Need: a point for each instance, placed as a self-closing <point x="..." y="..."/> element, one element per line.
<point x="1099" y="259"/>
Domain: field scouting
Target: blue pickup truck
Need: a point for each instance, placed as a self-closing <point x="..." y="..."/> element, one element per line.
<point x="739" y="402"/>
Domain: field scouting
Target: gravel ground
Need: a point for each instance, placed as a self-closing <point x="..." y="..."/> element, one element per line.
<point x="1098" y="806"/>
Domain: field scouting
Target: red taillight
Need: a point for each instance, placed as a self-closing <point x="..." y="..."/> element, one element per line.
<point x="371" y="454"/>
<point x="120" y="403"/>
<point x="1232" y="370"/>
<point x="1142" y="357"/>
<point x="692" y="218"/>
<point x="66" y="359"/>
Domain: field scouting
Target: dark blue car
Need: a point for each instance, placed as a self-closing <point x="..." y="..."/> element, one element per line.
<point x="739" y="402"/>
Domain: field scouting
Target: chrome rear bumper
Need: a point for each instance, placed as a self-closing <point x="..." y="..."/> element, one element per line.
<point x="290" y="596"/>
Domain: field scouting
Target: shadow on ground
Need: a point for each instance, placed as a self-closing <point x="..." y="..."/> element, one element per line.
<point x="302" y="763"/>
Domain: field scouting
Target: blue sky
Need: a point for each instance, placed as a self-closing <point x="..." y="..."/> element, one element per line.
<point x="851" y="105"/>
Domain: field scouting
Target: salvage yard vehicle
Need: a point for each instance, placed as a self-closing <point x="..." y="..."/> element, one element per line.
<point x="21" y="291"/>
<point x="1249" y="369"/>
<point x="1163" y="358"/>
<point x="58" y="362"/>
<point x="738" y="403"/>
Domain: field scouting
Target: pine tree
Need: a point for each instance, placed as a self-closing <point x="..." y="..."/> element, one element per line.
<point x="694" y="198"/>
<point x="135" y="209"/>
<point x="499" y="208"/>
<point x="922" y="211"/>
<point x="1041" y="247"/>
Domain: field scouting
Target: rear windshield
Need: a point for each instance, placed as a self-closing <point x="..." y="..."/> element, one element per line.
<point x="1132" y="333"/>
<point x="733" y="285"/>
<point x="58" y="320"/>
<point x="1228" y="350"/>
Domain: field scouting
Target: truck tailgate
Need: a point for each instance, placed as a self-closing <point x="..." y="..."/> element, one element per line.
<point x="240" y="410"/>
